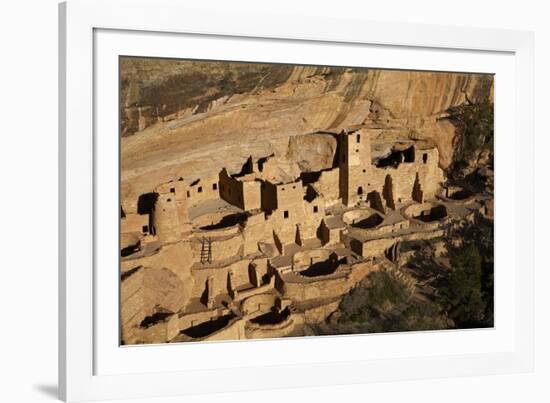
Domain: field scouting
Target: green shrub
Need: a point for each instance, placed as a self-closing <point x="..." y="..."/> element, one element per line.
<point x="475" y="129"/>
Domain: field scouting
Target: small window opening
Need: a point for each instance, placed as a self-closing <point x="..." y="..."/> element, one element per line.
<point x="358" y="138"/>
<point x="425" y="158"/>
<point x="215" y="186"/>
<point x="285" y="214"/>
<point x="199" y="189"/>
<point x="360" y="190"/>
<point x="168" y="200"/>
<point x="172" y="190"/>
<point x="145" y="229"/>
<point x="315" y="209"/>
<point x="188" y="194"/>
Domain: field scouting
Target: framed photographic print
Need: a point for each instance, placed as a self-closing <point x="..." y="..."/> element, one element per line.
<point x="333" y="202"/>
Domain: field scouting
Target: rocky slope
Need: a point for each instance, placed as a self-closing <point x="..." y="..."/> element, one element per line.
<point x="187" y="119"/>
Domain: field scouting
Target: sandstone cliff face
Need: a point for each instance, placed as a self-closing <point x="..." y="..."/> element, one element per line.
<point x="186" y="119"/>
<point x="157" y="90"/>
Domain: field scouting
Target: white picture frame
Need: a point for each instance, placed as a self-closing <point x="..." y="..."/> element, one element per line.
<point x="91" y="364"/>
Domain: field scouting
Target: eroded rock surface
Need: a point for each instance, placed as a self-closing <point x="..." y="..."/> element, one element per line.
<point x="255" y="197"/>
<point x="174" y="129"/>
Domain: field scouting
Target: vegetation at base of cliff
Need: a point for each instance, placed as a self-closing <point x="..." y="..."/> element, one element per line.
<point x="407" y="246"/>
<point x="368" y="302"/>
<point x="463" y="285"/>
<point x="468" y="294"/>
<point x="383" y="304"/>
<point x="462" y="293"/>
<point x="475" y="128"/>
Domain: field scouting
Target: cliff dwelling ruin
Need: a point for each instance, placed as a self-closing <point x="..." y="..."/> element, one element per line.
<point x="271" y="242"/>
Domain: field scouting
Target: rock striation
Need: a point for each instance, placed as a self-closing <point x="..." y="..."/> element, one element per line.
<point x="254" y="196"/>
<point x="188" y="118"/>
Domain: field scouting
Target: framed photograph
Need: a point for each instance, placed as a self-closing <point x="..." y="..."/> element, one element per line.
<point x="251" y="198"/>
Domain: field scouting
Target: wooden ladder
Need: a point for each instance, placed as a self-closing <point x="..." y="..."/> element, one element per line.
<point x="206" y="250"/>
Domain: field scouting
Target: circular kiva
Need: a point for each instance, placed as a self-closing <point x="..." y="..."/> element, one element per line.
<point x="456" y="194"/>
<point x="363" y="218"/>
<point x="425" y="213"/>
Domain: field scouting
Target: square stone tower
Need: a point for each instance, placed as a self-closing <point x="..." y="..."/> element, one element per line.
<point x="355" y="165"/>
<point x="170" y="216"/>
